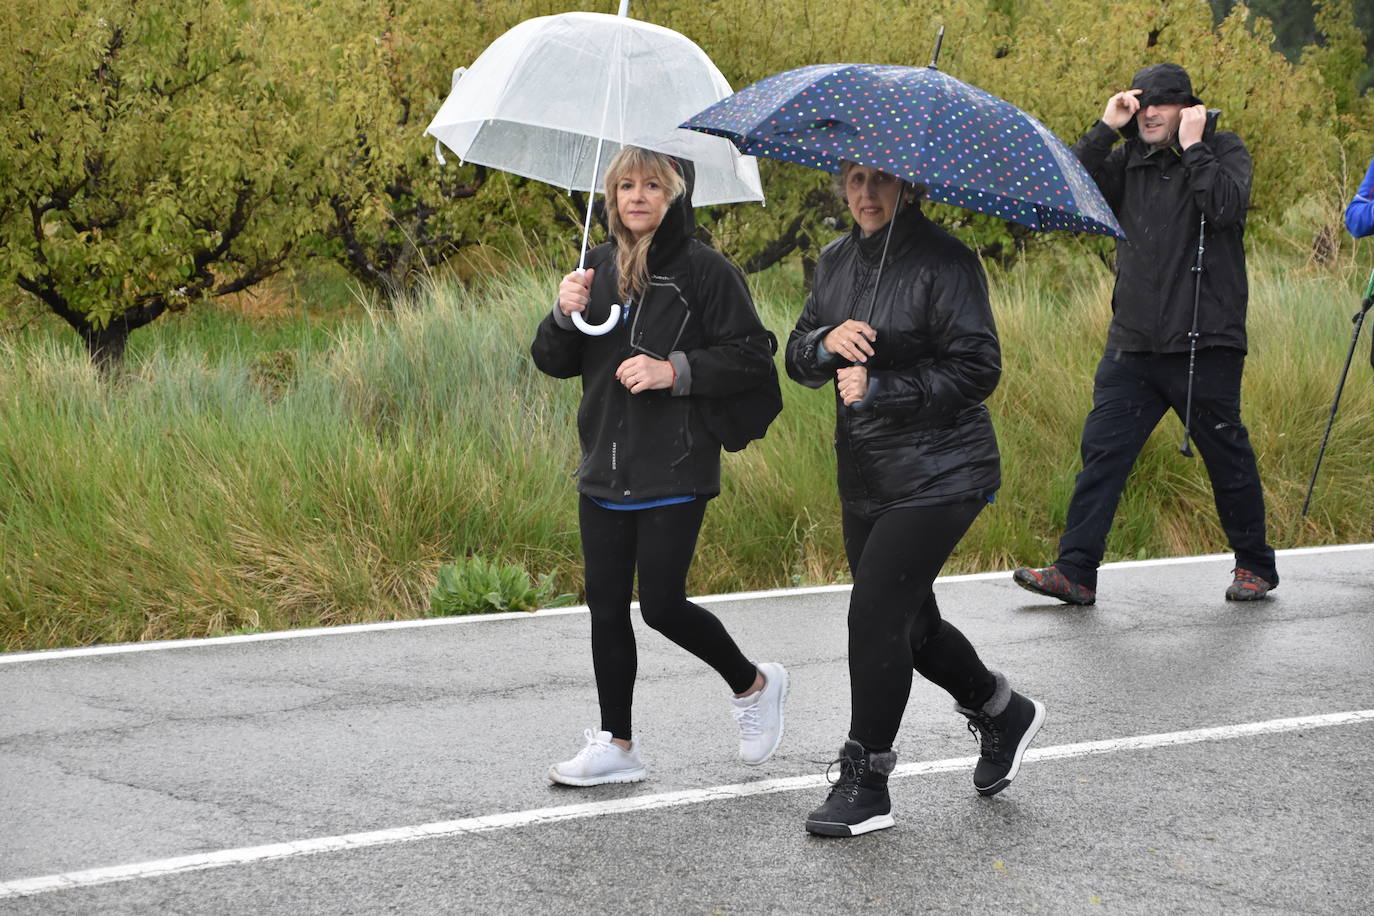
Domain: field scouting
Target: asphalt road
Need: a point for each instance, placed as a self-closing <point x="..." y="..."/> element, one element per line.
<point x="401" y="768"/>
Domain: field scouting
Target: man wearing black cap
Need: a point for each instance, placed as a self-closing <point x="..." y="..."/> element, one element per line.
<point x="1180" y="189"/>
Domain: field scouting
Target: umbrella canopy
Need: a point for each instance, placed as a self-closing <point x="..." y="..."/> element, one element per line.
<point x="555" y="97"/>
<point x="969" y="147"/>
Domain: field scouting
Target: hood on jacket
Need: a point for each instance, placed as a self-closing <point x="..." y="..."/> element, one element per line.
<point x="679" y="223"/>
<point x="1164" y="84"/>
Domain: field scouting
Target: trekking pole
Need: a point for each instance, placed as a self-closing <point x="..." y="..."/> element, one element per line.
<point x="1192" y="337"/>
<point x="1354" y="337"/>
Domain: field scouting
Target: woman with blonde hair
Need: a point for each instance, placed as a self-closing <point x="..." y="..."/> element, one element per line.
<point x="686" y="338"/>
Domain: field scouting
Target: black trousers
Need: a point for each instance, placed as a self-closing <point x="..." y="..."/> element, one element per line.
<point x="659" y="543"/>
<point x="1131" y="393"/>
<point x="894" y="622"/>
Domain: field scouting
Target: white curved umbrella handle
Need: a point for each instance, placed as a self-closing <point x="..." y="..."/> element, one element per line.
<point x="585" y="326"/>
<point x="596" y="330"/>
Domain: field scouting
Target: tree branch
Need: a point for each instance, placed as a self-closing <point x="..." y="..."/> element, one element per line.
<point x="356" y="252"/>
<point x="254" y="275"/>
<point x="781" y="246"/>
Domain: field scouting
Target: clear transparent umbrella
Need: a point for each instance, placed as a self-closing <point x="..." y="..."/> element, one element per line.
<point x="555" y="97"/>
<point x="540" y="97"/>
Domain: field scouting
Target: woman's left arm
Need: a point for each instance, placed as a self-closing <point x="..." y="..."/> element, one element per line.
<point x="737" y="353"/>
<point x="967" y="361"/>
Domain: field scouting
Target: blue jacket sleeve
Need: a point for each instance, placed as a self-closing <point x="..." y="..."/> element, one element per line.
<point x="1359" y="216"/>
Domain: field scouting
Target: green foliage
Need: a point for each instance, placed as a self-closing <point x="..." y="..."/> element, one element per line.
<point x="195" y="498"/>
<point x="1059" y="61"/>
<point x="802" y="212"/>
<point x="1340" y="56"/>
<point x="476" y="585"/>
<point x="1297" y="26"/>
<point x="154" y="154"/>
<point x="395" y="212"/>
<point x="161" y="153"/>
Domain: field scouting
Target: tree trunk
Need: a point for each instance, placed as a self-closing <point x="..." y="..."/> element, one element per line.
<point x="106" y="346"/>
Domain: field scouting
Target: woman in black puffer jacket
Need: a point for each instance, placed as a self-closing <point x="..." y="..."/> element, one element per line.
<point x="917" y="461"/>
<point x="686" y="340"/>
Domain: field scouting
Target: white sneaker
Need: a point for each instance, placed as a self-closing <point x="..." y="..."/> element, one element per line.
<point x="601" y="761"/>
<point x="760" y="715"/>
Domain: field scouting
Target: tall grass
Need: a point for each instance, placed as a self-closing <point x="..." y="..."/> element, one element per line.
<point x="325" y="476"/>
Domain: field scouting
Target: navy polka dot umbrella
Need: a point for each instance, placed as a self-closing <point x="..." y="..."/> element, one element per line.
<point x="967" y="146"/>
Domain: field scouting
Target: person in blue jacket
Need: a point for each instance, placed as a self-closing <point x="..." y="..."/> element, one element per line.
<point x="1359" y="215"/>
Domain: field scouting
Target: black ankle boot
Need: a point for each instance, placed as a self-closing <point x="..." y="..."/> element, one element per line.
<point x="858" y="801"/>
<point x="1004" y="726"/>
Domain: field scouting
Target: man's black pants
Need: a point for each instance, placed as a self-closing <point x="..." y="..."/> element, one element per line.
<point x="1131" y="393"/>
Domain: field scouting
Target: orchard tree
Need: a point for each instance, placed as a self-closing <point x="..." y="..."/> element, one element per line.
<point x="395" y="209"/>
<point x="153" y="154"/>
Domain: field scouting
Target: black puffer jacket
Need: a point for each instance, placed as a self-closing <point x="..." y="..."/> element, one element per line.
<point x="1157" y="197"/>
<point x="922" y="436"/>
<point x="698" y="314"/>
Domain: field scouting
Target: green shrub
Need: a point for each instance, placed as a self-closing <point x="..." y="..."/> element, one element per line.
<point x="476" y="585"/>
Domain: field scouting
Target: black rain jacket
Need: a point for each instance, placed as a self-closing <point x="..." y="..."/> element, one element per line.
<point x="922" y="436"/>
<point x="1157" y="197"/>
<point x="698" y="314"/>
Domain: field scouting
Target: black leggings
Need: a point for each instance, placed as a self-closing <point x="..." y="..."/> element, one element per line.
<point x="659" y="542"/>
<point x="894" y="622"/>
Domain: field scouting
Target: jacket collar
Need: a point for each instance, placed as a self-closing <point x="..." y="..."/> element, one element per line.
<point x="905" y="225"/>
<point x="1141" y="155"/>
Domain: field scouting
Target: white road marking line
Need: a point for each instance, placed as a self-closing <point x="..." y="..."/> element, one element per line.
<point x="10" y="658"/>
<point x="27" y="887"/>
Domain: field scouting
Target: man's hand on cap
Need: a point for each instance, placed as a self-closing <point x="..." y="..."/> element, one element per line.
<point x="1191" y="122"/>
<point x="1121" y="108"/>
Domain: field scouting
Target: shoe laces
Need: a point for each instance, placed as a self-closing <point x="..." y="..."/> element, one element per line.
<point x="989" y="736"/>
<point x="595" y="746"/>
<point x="748" y="720"/>
<point x="846" y="785"/>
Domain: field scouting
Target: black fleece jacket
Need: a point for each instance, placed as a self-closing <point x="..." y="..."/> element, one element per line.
<point x="698" y="314"/>
<point x="1157" y="197"/>
<point x="922" y="437"/>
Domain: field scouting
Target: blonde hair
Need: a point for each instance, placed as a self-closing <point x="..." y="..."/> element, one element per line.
<point x="632" y="256"/>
